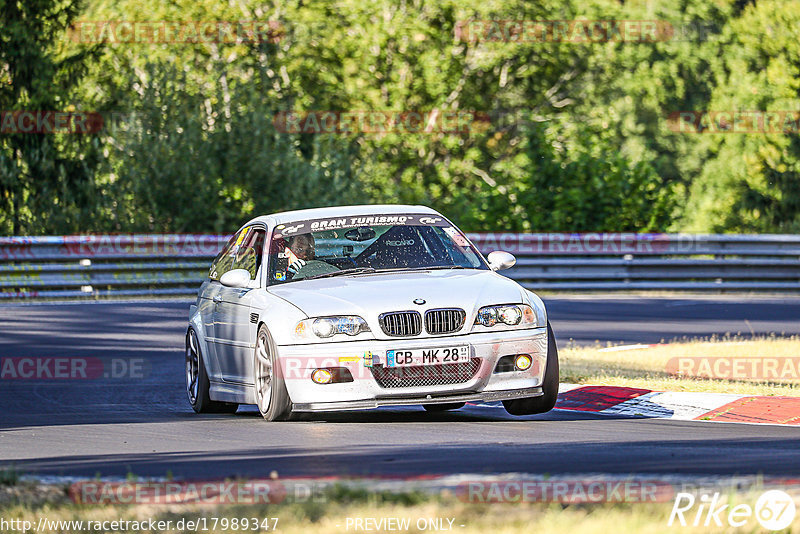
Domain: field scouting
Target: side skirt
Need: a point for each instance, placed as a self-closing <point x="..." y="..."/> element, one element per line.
<point x="240" y="394"/>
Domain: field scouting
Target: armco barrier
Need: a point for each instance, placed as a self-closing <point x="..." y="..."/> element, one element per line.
<point x="620" y="261"/>
<point x="128" y="265"/>
<point x="104" y="265"/>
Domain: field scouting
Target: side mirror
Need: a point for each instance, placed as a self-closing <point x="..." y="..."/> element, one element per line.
<point x="499" y="260"/>
<point x="239" y="278"/>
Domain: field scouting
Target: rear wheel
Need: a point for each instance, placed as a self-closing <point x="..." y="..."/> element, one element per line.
<point x="197" y="383"/>
<point x="272" y="397"/>
<point x="544" y="403"/>
<point x="443" y="407"/>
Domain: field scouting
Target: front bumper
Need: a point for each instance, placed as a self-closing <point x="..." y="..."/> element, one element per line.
<point x="486" y="396"/>
<point x="299" y="361"/>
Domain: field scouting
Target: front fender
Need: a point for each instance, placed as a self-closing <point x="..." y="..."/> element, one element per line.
<point x="280" y="316"/>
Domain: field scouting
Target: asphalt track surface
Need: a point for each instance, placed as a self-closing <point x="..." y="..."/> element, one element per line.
<point x="112" y="427"/>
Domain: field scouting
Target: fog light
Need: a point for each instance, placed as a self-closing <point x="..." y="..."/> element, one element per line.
<point x="323" y="376"/>
<point x="523" y="362"/>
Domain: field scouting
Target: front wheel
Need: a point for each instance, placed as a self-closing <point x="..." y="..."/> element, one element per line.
<point x="546" y="402"/>
<point x="197" y="383"/>
<point x="272" y="398"/>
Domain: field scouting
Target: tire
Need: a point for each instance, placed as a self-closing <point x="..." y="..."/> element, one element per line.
<point x="272" y="398"/>
<point x="443" y="407"/>
<point x="197" y="383"/>
<point x="546" y="402"/>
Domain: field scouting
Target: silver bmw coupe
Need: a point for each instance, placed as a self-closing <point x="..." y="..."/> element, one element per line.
<point x="356" y="307"/>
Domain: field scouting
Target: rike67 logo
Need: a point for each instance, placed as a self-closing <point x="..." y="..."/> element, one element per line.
<point x="774" y="510"/>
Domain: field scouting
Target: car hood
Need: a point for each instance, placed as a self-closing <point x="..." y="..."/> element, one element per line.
<point x="370" y="295"/>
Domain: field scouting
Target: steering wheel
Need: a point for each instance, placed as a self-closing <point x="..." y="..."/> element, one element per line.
<point x="314" y="268"/>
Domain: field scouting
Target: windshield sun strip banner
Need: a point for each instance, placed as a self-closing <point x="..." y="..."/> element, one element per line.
<point x="354" y="221"/>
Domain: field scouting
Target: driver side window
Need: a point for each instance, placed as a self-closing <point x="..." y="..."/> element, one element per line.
<point x="250" y="254"/>
<point x="243" y="251"/>
<point x="224" y="260"/>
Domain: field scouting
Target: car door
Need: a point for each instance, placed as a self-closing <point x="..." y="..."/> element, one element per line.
<point x="208" y="301"/>
<point x="235" y="332"/>
<point x="205" y="309"/>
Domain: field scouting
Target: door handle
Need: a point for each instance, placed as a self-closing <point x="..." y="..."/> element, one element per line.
<point x="217" y="299"/>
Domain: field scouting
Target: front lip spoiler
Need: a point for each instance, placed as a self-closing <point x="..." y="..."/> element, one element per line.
<point x="486" y="396"/>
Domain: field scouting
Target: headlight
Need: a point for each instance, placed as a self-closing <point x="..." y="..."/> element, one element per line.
<point x="520" y="315"/>
<point x="325" y="327"/>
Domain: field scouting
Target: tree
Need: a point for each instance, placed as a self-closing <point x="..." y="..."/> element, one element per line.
<point x="45" y="179"/>
<point x="750" y="182"/>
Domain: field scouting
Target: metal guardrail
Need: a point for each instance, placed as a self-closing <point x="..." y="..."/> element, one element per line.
<point x="105" y="265"/>
<point x="129" y="265"/>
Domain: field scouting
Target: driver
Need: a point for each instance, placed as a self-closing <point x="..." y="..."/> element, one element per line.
<point x="300" y="249"/>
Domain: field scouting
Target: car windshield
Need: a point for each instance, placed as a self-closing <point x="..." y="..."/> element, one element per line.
<point x="324" y="248"/>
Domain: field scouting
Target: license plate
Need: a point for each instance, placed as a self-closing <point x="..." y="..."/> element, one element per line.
<point x="438" y="356"/>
